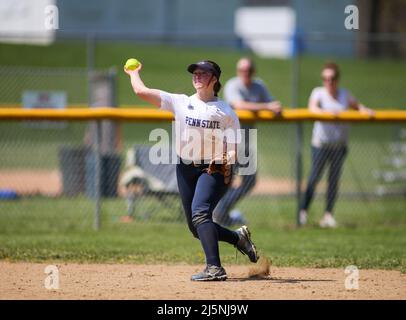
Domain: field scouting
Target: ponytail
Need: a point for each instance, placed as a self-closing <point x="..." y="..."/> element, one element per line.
<point x="217" y="88"/>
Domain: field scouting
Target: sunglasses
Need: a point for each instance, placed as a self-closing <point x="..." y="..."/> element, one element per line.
<point x="329" y="79"/>
<point x="244" y="70"/>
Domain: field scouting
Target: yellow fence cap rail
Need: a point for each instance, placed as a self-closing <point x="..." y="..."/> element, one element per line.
<point x="146" y="114"/>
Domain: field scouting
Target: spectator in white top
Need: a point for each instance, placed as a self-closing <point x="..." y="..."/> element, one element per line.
<point x="329" y="140"/>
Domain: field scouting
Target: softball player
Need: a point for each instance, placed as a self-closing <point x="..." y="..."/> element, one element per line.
<point x="204" y="175"/>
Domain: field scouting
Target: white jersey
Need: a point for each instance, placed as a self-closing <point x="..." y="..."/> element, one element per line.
<point x="325" y="133"/>
<point x="202" y="128"/>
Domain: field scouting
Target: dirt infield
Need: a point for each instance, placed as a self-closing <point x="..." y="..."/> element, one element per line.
<point x="32" y="182"/>
<point x="118" y="281"/>
<point x="49" y="183"/>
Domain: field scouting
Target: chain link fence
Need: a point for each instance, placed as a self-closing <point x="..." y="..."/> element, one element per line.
<point x="48" y="172"/>
<point x="50" y="176"/>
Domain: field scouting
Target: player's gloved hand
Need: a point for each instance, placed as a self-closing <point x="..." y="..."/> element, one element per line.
<point x="222" y="166"/>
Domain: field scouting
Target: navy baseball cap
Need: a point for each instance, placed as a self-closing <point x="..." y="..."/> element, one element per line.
<point x="206" y="65"/>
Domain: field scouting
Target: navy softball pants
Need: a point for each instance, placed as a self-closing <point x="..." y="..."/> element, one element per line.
<point x="232" y="196"/>
<point x="200" y="193"/>
<point x="335" y="156"/>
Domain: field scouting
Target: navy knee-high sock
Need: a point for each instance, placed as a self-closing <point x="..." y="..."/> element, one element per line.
<point x="226" y="235"/>
<point x="209" y="238"/>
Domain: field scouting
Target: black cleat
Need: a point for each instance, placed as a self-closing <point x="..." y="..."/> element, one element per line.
<point x="245" y="245"/>
<point x="211" y="273"/>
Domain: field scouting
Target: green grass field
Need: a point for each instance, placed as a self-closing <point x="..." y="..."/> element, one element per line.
<point x="43" y="229"/>
<point x="378" y="83"/>
<point x="372" y="232"/>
